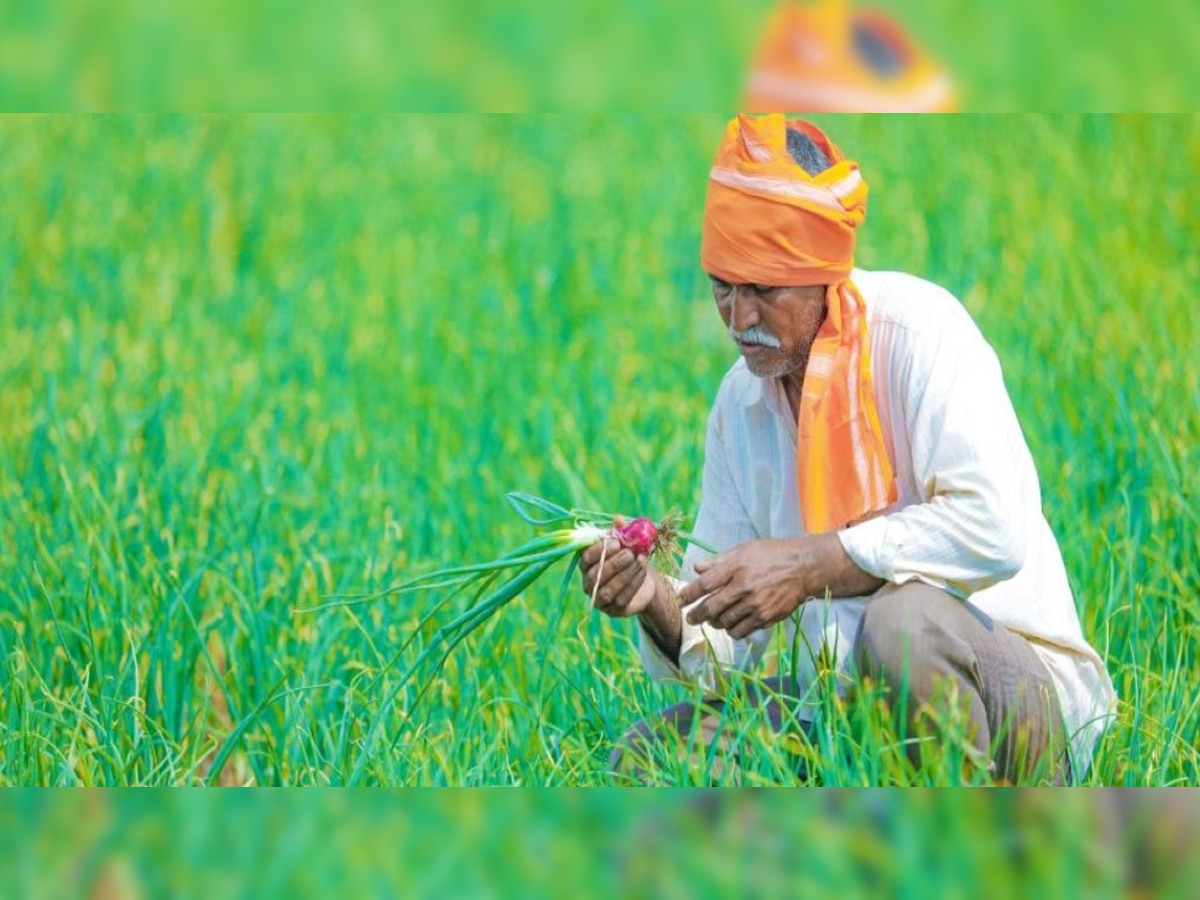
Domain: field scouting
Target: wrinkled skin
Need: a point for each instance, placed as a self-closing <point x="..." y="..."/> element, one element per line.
<point x="625" y="588"/>
<point x="754" y="585"/>
<point x="792" y="316"/>
<point x="626" y="584"/>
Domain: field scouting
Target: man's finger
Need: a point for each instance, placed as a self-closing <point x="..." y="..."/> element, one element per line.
<point x="713" y="605"/>
<point x="745" y="628"/>
<point x="588" y="573"/>
<point x="734" y="616"/>
<point x="606" y="547"/>
<point x="614" y="565"/>
<point x="635" y="596"/>
<point x="605" y="568"/>
<point x="617" y="591"/>
<point x="643" y="595"/>
<point x="706" y="583"/>
<point x="598" y="579"/>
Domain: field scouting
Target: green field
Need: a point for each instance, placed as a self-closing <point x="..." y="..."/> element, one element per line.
<point x="249" y="363"/>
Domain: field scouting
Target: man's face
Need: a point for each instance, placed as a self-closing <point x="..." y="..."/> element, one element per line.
<point x="774" y="327"/>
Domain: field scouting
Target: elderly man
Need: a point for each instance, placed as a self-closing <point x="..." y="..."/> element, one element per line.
<point x="867" y="481"/>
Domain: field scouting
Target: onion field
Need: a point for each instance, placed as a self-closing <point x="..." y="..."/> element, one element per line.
<point x="253" y="366"/>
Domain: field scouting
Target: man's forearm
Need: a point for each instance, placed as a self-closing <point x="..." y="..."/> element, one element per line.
<point x="830" y="567"/>
<point x="663" y="619"/>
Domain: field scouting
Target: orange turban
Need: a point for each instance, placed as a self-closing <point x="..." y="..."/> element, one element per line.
<point x="767" y="221"/>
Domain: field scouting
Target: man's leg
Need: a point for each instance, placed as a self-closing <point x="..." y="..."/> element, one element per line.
<point x="932" y="647"/>
<point x="700" y="732"/>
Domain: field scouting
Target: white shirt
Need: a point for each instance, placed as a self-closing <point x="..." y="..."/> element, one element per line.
<point x="968" y="517"/>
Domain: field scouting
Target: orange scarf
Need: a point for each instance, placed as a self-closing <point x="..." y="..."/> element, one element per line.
<point x="767" y="221"/>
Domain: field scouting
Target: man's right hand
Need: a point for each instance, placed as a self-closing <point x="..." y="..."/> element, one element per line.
<point x="625" y="585"/>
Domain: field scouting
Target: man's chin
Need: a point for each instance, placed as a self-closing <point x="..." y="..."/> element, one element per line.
<point x="771" y="364"/>
<point x="760" y="365"/>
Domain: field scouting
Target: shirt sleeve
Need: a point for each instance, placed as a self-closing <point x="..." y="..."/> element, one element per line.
<point x="722" y="521"/>
<point x="970" y="463"/>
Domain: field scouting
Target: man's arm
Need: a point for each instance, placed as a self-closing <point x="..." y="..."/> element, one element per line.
<point x="671" y="648"/>
<point x="762" y="582"/>
<point x="978" y="499"/>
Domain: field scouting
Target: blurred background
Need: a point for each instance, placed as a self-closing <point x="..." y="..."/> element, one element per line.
<point x="361" y="55"/>
<point x="543" y="843"/>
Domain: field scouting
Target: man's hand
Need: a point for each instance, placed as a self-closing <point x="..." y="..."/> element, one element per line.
<point x="628" y="585"/>
<point x="754" y="585"/>
<point x="622" y="585"/>
<point x="759" y="583"/>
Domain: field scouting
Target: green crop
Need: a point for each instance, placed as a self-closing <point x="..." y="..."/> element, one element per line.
<point x="253" y="364"/>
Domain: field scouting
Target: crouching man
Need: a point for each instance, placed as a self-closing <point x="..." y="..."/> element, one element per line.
<point x="863" y="468"/>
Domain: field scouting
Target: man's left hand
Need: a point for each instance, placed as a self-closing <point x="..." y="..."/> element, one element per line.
<point x="754" y="585"/>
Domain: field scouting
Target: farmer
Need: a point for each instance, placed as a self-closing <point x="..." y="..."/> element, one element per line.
<point x="867" y="482"/>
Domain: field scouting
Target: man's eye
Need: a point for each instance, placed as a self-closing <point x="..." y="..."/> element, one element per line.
<point x="722" y="287"/>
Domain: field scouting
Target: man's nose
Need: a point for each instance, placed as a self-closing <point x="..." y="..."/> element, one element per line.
<point x="744" y="312"/>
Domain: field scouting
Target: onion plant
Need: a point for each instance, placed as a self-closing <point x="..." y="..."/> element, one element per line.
<point x="565" y="534"/>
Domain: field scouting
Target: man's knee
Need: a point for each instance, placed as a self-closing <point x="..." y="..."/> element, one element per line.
<point x="899" y="628"/>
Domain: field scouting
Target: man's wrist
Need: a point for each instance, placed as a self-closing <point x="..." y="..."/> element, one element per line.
<point x="663" y="619"/>
<point x="830" y="569"/>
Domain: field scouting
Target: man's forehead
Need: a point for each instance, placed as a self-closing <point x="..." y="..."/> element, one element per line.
<point x="763" y="284"/>
<point x="811" y="292"/>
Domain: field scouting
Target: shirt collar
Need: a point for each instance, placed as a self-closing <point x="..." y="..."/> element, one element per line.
<point x="752" y="391"/>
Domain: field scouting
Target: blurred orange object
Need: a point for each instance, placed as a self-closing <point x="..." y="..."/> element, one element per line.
<point x="830" y="57"/>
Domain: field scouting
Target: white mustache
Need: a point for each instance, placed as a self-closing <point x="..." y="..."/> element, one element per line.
<point x="756" y="334"/>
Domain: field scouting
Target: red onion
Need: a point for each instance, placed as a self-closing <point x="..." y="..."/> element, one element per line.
<point x="639" y="535"/>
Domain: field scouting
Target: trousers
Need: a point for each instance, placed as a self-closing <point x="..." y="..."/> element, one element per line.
<point x="928" y="650"/>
